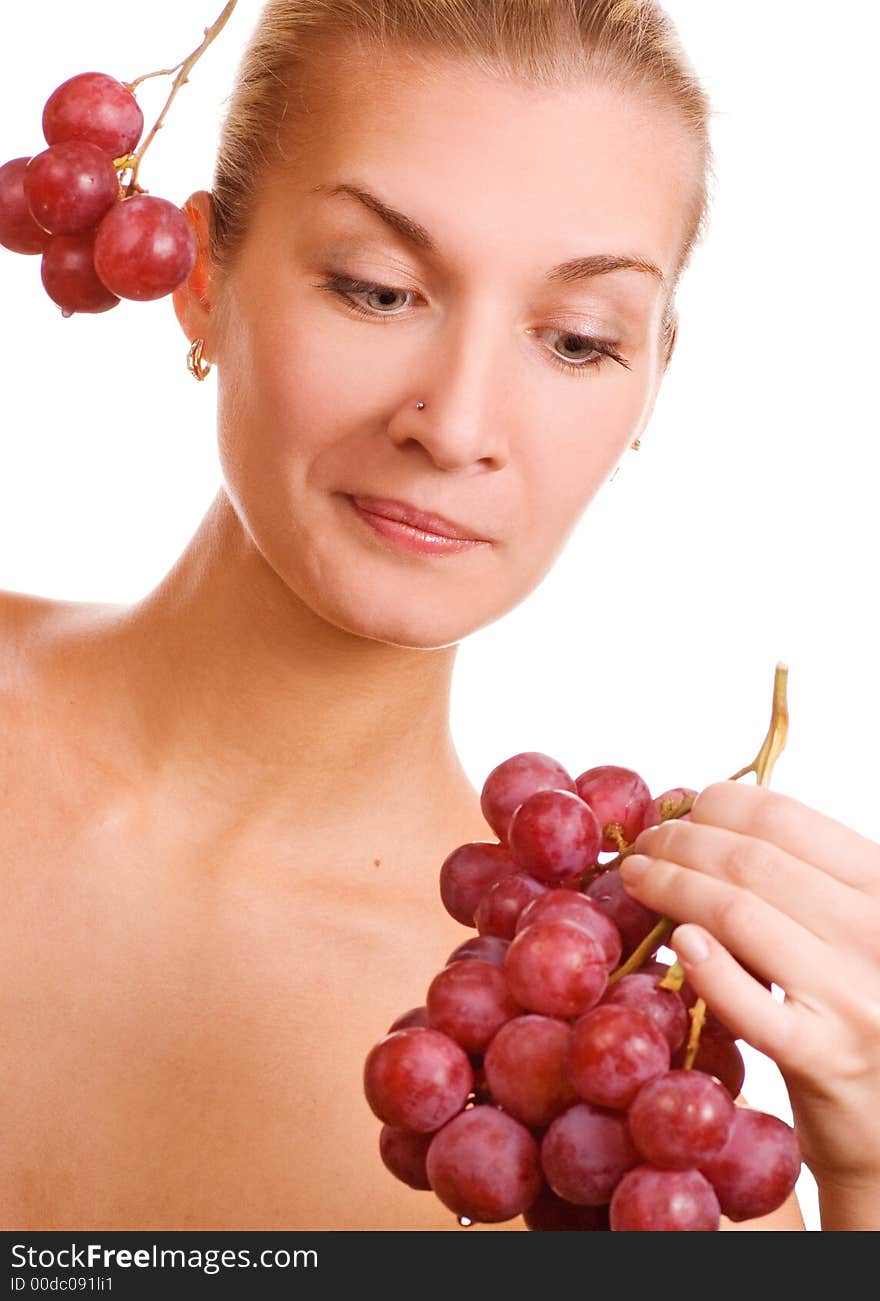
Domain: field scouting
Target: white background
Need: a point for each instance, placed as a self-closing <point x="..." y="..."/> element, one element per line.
<point x="745" y="530"/>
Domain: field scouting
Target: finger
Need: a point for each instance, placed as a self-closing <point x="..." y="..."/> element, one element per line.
<point x="801" y="831"/>
<point x="824" y="905"/>
<point x="747" y="1009"/>
<point x="763" y="938"/>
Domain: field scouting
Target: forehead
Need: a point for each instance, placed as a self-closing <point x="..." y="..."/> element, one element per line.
<point x="490" y="164"/>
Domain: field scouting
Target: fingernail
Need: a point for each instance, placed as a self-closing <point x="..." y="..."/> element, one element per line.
<point x="634" y="867"/>
<point x="690" y="945"/>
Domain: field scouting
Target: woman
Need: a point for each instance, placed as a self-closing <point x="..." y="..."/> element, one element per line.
<point x="245" y="804"/>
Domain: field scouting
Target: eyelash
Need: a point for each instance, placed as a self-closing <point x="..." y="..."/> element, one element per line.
<point x="345" y="286"/>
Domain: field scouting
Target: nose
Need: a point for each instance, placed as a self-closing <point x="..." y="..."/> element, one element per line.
<point x="463" y="423"/>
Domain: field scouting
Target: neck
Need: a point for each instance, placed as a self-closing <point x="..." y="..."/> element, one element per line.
<point x="234" y="686"/>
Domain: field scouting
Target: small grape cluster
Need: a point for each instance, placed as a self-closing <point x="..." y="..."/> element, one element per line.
<point x="557" y="1069"/>
<point x="100" y="240"/>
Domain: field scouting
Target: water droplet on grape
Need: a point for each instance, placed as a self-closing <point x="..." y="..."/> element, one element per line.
<point x="464" y="1221"/>
<point x="65" y="313"/>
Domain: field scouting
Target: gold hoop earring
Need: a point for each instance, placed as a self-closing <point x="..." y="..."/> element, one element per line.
<point x="634" y="447"/>
<point x="195" y="364"/>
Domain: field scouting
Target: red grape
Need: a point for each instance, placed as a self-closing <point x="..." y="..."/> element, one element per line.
<point x="69" y="276"/>
<point x="549" y="1213"/>
<point x="525" y="1069"/>
<point x="489" y="948"/>
<point x="573" y="906"/>
<point x="528" y="1084"/>
<point x="757" y="1168"/>
<point x="500" y="907"/>
<point x="681" y="1119"/>
<point x="484" y="1164"/>
<point x="664" y="1007"/>
<point x="19" y="232"/>
<point x="404" y="1154"/>
<point x="469" y="1001"/>
<point x="555" y="836"/>
<point x="145" y="248"/>
<point x="612" y="1052"/>
<point x="94" y="107"/>
<point x="515" y="780"/>
<point x="664" y="1201"/>
<point x="467" y="873"/>
<point x="69" y="187"/>
<point x="556" y="968"/>
<point x="632" y="919"/>
<point x="585" y="1153"/>
<point x="615" y="795"/>
<point x="417" y="1079"/>
<point x="415" y="1016"/>
<point x="663" y="806"/>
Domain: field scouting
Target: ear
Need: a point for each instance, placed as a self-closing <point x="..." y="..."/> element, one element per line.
<point x="192" y="301"/>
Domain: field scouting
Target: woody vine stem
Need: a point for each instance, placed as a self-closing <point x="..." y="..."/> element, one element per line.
<point x="762" y="767"/>
<point x="132" y="162"/>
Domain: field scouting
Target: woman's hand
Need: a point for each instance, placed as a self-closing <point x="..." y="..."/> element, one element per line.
<point x="795" y="897"/>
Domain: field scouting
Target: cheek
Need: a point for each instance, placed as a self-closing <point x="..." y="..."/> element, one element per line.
<point x="274" y="397"/>
<point x="565" y="464"/>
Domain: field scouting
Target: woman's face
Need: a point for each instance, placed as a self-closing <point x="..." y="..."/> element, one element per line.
<point x="533" y="385"/>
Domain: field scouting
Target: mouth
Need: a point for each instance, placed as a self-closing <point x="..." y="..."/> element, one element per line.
<point x="423" y="521"/>
<point x="403" y="527"/>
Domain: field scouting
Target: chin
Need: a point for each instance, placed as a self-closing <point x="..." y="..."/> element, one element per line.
<point x="371" y="595"/>
<point x="408" y="608"/>
<point x="395" y="622"/>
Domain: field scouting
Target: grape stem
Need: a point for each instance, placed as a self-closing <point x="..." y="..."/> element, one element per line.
<point x="762" y="767"/>
<point x="698" y="1020"/>
<point x="777" y="732"/>
<point x="132" y="162"/>
<point x="674" y="978"/>
<point x="652" y="941"/>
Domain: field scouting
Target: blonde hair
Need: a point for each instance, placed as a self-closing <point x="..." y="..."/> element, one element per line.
<point x="630" y="44"/>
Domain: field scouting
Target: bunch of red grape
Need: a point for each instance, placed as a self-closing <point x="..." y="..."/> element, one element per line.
<point x="537" y="1080"/>
<point x="99" y="243"/>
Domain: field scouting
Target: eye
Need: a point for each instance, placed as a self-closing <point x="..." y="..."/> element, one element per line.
<point x="348" y="288"/>
<point x="579" y="343"/>
<point x="598" y="350"/>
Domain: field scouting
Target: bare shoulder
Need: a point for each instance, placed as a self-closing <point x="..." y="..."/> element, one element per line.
<point x="32" y="629"/>
<point x="29" y="626"/>
<point x="24" y="620"/>
<point x="21" y="614"/>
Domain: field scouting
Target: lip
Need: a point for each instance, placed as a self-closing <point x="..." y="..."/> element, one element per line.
<point x="404" y="536"/>
<point x="425" y="521"/>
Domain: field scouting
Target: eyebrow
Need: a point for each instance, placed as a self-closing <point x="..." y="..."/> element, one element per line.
<point x="568" y="272"/>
